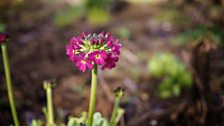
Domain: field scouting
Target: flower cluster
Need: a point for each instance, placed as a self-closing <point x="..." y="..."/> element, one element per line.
<point x="3" y="37"/>
<point x="86" y="50"/>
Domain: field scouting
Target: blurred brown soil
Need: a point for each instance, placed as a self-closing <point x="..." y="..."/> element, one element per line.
<point x="37" y="53"/>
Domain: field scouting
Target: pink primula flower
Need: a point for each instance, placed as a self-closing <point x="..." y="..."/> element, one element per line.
<point x="98" y="57"/>
<point x="87" y="50"/>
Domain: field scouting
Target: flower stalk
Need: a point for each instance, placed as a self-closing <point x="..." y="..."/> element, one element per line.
<point x="90" y="51"/>
<point x="118" y="93"/>
<point x="92" y="95"/>
<point x="50" y="111"/>
<point x="114" y="112"/>
<point x="9" y="84"/>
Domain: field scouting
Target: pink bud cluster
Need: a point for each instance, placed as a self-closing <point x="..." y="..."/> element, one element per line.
<point x="3" y="37"/>
<point x="86" y="50"/>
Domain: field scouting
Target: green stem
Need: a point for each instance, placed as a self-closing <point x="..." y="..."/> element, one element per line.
<point x="92" y="95"/>
<point x="50" y="110"/>
<point x="9" y="84"/>
<point x="114" y="112"/>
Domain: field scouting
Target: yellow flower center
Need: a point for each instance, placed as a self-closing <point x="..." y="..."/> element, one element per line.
<point x="98" y="56"/>
<point x="83" y="61"/>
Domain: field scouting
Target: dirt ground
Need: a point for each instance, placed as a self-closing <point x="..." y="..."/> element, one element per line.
<point x="37" y="53"/>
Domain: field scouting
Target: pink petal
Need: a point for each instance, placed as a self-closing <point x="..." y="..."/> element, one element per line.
<point x="82" y="68"/>
<point x="89" y="65"/>
<point x="103" y="54"/>
<point x="78" y="64"/>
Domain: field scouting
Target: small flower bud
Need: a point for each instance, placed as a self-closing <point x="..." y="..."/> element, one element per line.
<point x="101" y="40"/>
<point x="85" y="34"/>
<point x="109" y="43"/>
<point x="89" y="36"/>
<point x="107" y="35"/>
<point x="93" y="41"/>
<point x="101" y="35"/>
<point x="3" y="37"/>
<point x="119" y="92"/>
<point x="49" y="84"/>
<point x="94" y="35"/>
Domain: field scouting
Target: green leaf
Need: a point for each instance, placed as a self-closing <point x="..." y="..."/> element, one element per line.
<point x="176" y="90"/>
<point x="36" y="122"/>
<point x="98" y="120"/>
<point x="165" y="94"/>
<point x="172" y="72"/>
<point x="74" y="121"/>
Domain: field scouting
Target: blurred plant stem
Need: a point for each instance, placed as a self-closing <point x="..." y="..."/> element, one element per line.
<point x="115" y="109"/>
<point x="9" y="84"/>
<point x="50" y="110"/>
<point x="92" y="95"/>
<point x="118" y="93"/>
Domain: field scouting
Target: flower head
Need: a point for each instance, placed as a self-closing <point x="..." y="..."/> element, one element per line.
<point x="101" y="49"/>
<point x="3" y="37"/>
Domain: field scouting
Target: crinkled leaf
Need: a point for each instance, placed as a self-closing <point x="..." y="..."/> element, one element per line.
<point x="98" y="120"/>
<point x="173" y="73"/>
<point x="36" y="122"/>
